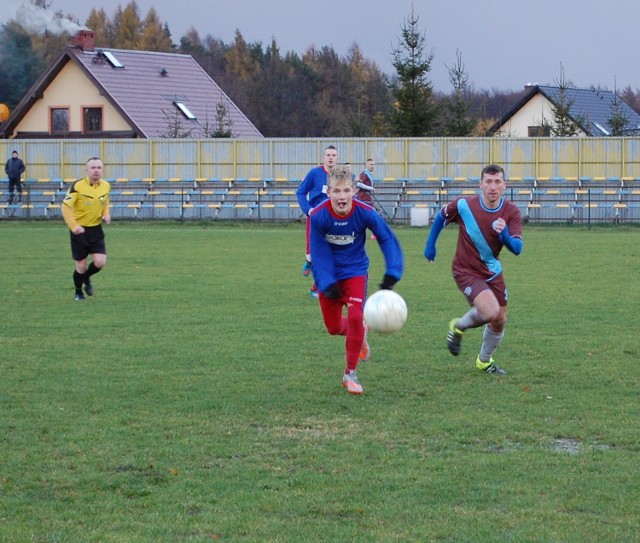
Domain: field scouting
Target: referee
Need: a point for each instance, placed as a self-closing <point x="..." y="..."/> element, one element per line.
<point x="84" y="207"/>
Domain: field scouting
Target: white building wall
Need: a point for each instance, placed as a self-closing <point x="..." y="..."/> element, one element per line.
<point x="533" y="113"/>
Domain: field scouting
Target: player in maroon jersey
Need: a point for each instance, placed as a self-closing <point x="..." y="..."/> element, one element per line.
<point x="487" y="223"/>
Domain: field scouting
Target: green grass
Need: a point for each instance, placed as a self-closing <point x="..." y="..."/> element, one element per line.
<point x="197" y="396"/>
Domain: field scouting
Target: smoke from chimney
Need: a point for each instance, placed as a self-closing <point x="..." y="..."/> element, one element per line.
<point x="39" y="20"/>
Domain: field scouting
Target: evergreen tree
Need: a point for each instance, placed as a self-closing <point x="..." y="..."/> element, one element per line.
<point x="618" y="121"/>
<point x="563" y="123"/>
<point x="19" y="64"/>
<point x="223" y="123"/>
<point x="459" y="122"/>
<point x="416" y="112"/>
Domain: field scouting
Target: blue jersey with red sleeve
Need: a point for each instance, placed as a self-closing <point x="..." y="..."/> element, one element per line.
<point x="313" y="189"/>
<point x="338" y="243"/>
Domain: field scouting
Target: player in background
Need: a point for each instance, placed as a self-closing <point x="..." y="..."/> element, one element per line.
<point x="364" y="186"/>
<point x="312" y="192"/>
<point x="341" y="266"/>
<point x="84" y="207"/>
<point x="487" y="223"/>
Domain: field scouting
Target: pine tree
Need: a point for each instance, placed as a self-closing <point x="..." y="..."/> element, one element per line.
<point x="416" y="112"/>
<point x="563" y="123"/>
<point x="459" y="122"/>
<point x="618" y="121"/>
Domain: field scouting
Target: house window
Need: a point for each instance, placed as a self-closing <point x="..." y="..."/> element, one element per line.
<point x="92" y="119"/>
<point x="59" y="120"/>
<point x="539" y="131"/>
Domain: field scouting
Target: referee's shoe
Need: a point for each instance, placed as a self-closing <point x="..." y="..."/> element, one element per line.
<point x="88" y="288"/>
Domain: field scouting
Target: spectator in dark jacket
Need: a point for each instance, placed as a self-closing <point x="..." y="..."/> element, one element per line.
<point x="14" y="168"/>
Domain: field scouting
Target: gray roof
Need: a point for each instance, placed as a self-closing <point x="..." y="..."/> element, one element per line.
<point x="591" y="108"/>
<point x="145" y="88"/>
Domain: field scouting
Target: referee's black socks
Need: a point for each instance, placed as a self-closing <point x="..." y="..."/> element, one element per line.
<point x="91" y="270"/>
<point x="78" y="280"/>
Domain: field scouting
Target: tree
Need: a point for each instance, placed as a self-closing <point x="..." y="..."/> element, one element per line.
<point x="416" y="111"/>
<point x="631" y="98"/>
<point x="223" y="127"/>
<point x="563" y="123"/>
<point x="370" y="97"/>
<point x="127" y="27"/>
<point x="458" y="121"/>
<point x="16" y="76"/>
<point x="175" y="128"/>
<point x="102" y="27"/>
<point x="155" y="36"/>
<point x="617" y="121"/>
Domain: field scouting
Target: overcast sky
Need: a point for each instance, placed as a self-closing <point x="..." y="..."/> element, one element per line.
<point x="504" y="43"/>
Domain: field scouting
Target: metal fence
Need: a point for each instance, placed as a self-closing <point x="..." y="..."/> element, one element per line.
<point x="285" y="158"/>
<point x="550" y="179"/>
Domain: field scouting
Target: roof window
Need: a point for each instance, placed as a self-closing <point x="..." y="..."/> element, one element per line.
<point x="111" y="58"/>
<point x="185" y="110"/>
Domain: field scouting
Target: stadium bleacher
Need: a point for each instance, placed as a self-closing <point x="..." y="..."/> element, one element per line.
<point x="597" y="199"/>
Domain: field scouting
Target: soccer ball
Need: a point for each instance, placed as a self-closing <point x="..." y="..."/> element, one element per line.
<point x="385" y="311"/>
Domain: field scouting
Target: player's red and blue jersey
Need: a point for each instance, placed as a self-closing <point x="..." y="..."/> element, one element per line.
<point x="479" y="245"/>
<point x="313" y="189"/>
<point x="338" y="243"/>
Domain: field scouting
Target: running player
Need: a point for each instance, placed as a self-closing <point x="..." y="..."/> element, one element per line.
<point x="487" y="222"/>
<point x="341" y="265"/>
<point x="312" y="192"/>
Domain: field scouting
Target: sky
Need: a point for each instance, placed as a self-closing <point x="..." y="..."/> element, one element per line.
<point x="504" y="44"/>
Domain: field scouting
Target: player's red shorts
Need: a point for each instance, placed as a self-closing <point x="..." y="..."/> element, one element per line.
<point x="354" y="291"/>
<point x="471" y="286"/>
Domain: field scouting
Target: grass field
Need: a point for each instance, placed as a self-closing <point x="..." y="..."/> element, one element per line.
<point x="197" y="397"/>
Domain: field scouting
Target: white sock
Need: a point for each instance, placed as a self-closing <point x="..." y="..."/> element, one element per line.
<point x="471" y="319"/>
<point x="490" y="342"/>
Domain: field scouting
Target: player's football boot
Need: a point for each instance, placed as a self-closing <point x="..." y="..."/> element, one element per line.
<point x="79" y="297"/>
<point x="88" y="288"/>
<point x="454" y="338"/>
<point x="351" y="383"/>
<point x="365" y="352"/>
<point x="489" y="367"/>
<point x="314" y="291"/>
<point x="306" y="268"/>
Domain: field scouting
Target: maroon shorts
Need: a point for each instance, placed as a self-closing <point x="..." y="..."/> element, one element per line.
<point x="471" y="286"/>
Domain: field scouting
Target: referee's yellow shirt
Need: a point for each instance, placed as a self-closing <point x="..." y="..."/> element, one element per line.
<point x="85" y="204"/>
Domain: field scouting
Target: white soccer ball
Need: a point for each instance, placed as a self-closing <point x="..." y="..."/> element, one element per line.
<point x="385" y="311"/>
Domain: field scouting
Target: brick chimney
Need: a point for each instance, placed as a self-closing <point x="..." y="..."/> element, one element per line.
<point x="84" y="39"/>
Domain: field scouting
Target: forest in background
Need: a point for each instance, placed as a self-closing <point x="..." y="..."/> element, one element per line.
<point x="317" y="94"/>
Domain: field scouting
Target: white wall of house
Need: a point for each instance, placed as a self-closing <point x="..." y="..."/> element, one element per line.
<point x="533" y="113"/>
<point x="57" y="95"/>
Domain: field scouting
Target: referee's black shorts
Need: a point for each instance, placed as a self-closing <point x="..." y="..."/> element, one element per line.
<point x="91" y="241"/>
